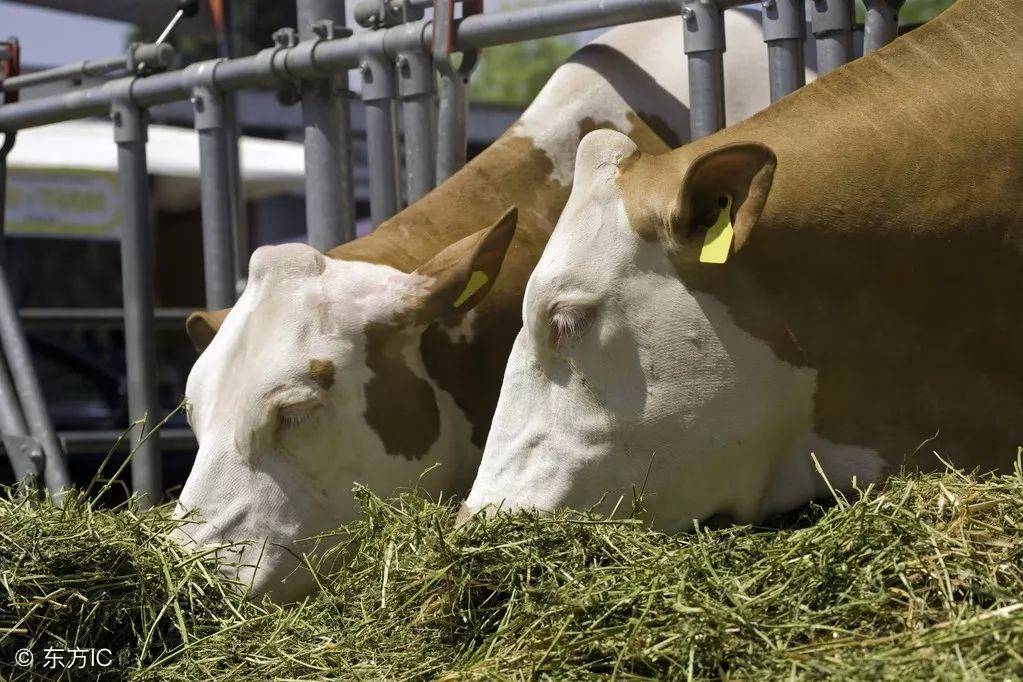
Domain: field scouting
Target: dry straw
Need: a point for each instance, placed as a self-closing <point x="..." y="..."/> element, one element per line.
<point x="919" y="579"/>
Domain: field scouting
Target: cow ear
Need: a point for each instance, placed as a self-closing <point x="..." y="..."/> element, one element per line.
<point x="202" y="326"/>
<point x="736" y="177"/>
<point x="460" y="276"/>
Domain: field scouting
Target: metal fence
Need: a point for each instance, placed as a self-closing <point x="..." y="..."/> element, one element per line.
<point x="403" y="58"/>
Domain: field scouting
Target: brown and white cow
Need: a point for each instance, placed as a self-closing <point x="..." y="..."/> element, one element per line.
<point x="382" y="357"/>
<point x="870" y="311"/>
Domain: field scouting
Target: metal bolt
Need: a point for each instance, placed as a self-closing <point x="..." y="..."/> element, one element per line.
<point x="768" y="4"/>
<point x="285" y="37"/>
<point x="324" y="30"/>
<point x="402" y="61"/>
<point x="364" y="68"/>
<point x="688" y="13"/>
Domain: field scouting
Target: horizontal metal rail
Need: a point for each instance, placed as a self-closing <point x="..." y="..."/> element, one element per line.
<point x="276" y="65"/>
<point x="154" y="56"/>
<point x="64" y="318"/>
<point x="95" y="67"/>
<point x="76" y="442"/>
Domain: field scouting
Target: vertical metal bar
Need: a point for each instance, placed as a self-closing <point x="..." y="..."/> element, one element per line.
<point x="418" y="107"/>
<point x="130" y="133"/>
<point x="24" y="407"/>
<point x="240" y="237"/>
<point x="217" y="213"/>
<point x="881" y="25"/>
<point x="452" y="131"/>
<point x="452" y="125"/>
<point x="19" y="360"/>
<point x="704" y="47"/>
<point x="12" y="421"/>
<point x="832" y="24"/>
<point x="23" y="451"/>
<point x="378" y="95"/>
<point x="706" y="93"/>
<point x="786" y="66"/>
<point x="784" y="32"/>
<point x="329" y="190"/>
<point x="239" y="226"/>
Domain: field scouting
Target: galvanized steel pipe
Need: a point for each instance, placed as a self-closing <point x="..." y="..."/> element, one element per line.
<point x="215" y="185"/>
<point x="784" y="32"/>
<point x="832" y="24"/>
<point x="326" y="117"/>
<point x="130" y="134"/>
<point x="378" y="94"/>
<point x="418" y="110"/>
<point x="452" y="125"/>
<point x="30" y="393"/>
<point x="704" y="45"/>
<point x="881" y="25"/>
<point x="153" y="55"/>
<point x="14" y="430"/>
<point x="269" y="67"/>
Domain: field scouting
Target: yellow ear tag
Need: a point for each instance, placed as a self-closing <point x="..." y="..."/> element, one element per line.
<point x="476" y="281"/>
<point x="717" y="244"/>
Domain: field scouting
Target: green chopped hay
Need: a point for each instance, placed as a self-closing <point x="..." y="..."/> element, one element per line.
<point x="919" y="579"/>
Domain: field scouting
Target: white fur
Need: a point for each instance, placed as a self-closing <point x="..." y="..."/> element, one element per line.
<point x="299" y="306"/>
<point x="260" y="479"/>
<point x="661" y="390"/>
<point x="577" y="92"/>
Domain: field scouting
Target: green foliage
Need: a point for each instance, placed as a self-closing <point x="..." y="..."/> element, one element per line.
<point x="915" y="11"/>
<point x="919" y="579"/>
<point x="514" y="74"/>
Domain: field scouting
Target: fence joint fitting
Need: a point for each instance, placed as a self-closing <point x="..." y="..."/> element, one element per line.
<point x="207" y="100"/>
<point x="129" y="120"/>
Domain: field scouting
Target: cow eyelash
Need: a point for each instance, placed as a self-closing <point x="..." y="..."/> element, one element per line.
<point x="292" y="418"/>
<point x="568" y="324"/>
<point x="293" y="415"/>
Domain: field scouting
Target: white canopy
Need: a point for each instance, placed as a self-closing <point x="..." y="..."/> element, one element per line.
<point x="62" y="178"/>
<point x="268" y="166"/>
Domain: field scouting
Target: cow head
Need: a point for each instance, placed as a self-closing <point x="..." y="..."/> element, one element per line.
<point x="624" y="375"/>
<point x="313" y="382"/>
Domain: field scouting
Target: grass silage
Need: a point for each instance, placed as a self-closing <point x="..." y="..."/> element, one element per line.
<point x="921" y="578"/>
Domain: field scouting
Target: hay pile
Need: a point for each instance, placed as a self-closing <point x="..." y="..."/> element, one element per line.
<point x="920" y="579"/>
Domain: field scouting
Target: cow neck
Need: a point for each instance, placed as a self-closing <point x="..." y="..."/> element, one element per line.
<point x="920" y="137"/>
<point x="888" y="254"/>
<point x="509" y="172"/>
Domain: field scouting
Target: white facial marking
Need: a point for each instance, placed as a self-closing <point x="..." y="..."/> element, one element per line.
<point x="279" y="453"/>
<point x="277" y="456"/>
<point x="654" y="384"/>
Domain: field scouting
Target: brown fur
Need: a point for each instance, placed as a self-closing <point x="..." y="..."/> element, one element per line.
<point x="511" y="172"/>
<point x="400" y="406"/>
<point x="201" y="326"/>
<point x="451" y="270"/>
<point x="394" y="392"/>
<point x="322" y="373"/>
<point x="889" y="255"/>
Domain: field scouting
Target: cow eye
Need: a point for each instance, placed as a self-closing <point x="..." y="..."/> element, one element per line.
<point x="568" y="324"/>
<point x="296" y="413"/>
